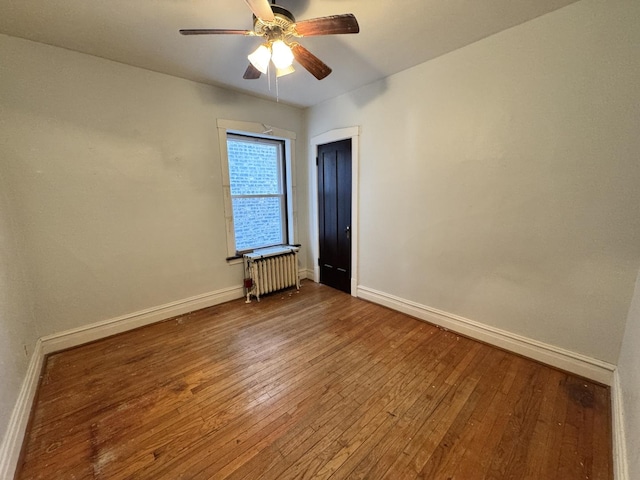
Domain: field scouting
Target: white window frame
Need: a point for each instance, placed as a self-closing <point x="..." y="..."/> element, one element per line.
<point x="257" y="130"/>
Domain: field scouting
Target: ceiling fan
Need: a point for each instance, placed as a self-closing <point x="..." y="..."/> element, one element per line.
<point x="280" y="31"/>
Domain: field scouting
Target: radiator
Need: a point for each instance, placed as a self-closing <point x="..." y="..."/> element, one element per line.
<point x="270" y="270"/>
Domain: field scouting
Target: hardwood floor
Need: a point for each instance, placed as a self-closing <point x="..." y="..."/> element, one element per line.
<point x="314" y="384"/>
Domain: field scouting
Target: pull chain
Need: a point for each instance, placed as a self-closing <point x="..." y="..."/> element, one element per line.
<point x="269" y="75"/>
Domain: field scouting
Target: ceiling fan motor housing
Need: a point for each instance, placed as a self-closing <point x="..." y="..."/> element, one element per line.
<point x="279" y="27"/>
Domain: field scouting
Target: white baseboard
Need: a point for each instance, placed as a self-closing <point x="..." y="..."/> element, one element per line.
<point x="306" y="273"/>
<point x="567" y="360"/>
<point x="12" y="442"/>
<point x="620" y="459"/>
<point x="98" y="330"/>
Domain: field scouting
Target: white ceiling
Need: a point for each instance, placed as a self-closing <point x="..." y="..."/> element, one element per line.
<point x="394" y="35"/>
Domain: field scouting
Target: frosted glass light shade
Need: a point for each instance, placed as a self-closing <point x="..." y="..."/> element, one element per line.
<point x="260" y="58"/>
<point x="281" y="72"/>
<point x="282" y="57"/>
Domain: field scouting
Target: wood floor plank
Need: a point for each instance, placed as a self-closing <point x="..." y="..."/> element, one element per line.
<point x="452" y="447"/>
<point x="490" y="426"/>
<point x="451" y="400"/>
<point x="315" y="384"/>
<point x="552" y="459"/>
<point x="540" y="434"/>
<point x="475" y="436"/>
<point x="517" y="437"/>
<point x="197" y="451"/>
<point x="294" y="449"/>
<point x="354" y="444"/>
<point x="394" y="431"/>
<point x="321" y="440"/>
<point x="601" y="434"/>
<point x="287" y="444"/>
<point x="201" y="447"/>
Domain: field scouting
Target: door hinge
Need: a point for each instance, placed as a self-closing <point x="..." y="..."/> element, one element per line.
<point x="317" y="161"/>
<point x="318" y="261"/>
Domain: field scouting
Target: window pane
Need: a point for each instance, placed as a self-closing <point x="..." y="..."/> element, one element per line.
<point x="258" y="222"/>
<point x="253" y="168"/>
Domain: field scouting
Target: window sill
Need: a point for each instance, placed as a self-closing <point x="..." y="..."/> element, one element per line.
<point x="263" y="253"/>
<point x="234" y="260"/>
<point x="272" y="251"/>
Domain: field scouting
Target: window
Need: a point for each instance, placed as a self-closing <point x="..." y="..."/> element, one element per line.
<point x="258" y="195"/>
<point x="258" y="182"/>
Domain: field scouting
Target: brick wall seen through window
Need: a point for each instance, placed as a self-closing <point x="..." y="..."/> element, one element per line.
<point x="256" y="173"/>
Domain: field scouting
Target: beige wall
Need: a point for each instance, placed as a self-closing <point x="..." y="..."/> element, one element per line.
<point x="18" y="331"/>
<point x="500" y="182"/>
<point x="113" y="175"/>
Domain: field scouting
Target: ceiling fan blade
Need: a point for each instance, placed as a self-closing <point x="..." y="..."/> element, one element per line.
<point x="335" y="24"/>
<point x="251" y="73"/>
<point x="261" y="9"/>
<point x="215" y="31"/>
<point x="308" y="60"/>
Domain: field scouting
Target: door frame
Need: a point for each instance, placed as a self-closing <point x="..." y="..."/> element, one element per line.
<point x="352" y="133"/>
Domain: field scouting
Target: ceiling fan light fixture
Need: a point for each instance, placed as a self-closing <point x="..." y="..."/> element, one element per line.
<point x="282" y="56"/>
<point x="281" y="72"/>
<point x="260" y="58"/>
<point x="278" y="29"/>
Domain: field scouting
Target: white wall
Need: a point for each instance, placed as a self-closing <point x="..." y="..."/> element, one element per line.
<point x="114" y="181"/>
<point x="18" y="332"/>
<point x="501" y="182"/>
<point x="629" y="372"/>
<point x="116" y="177"/>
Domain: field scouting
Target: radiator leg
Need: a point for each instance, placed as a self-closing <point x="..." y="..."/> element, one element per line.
<point x="248" y="269"/>
<point x="253" y="290"/>
<point x="259" y="279"/>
